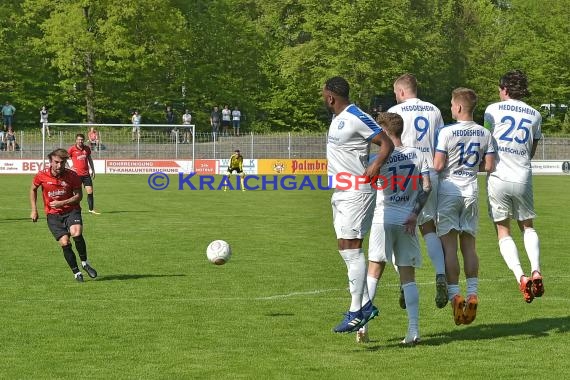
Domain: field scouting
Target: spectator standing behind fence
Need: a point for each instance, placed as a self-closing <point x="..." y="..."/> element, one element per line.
<point x="226" y="119"/>
<point x="171" y="119"/>
<point x="136" y="119"/>
<point x="8" y="112"/>
<point x="93" y="137"/>
<point x="11" y="140"/>
<point x="236" y="118"/>
<point x="44" y="120"/>
<point x="187" y="120"/>
<point x="2" y="136"/>
<point x="215" y="121"/>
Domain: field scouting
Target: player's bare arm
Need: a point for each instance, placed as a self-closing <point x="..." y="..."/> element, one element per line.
<point x="386" y="147"/>
<point x="425" y="190"/>
<point x="33" y="203"/>
<point x="439" y="160"/>
<point x="76" y="198"/>
<point x="92" y="166"/>
<point x="488" y="163"/>
<point x="533" y="150"/>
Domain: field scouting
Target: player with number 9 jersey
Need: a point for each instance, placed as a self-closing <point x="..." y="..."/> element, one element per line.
<point x="421" y="120"/>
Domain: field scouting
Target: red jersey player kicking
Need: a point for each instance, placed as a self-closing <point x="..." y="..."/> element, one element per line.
<point x="61" y="190"/>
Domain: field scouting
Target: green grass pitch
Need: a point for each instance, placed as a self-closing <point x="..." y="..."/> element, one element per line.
<point x="160" y="310"/>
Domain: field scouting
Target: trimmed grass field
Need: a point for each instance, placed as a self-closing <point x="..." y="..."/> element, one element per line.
<point x="160" y="310"/>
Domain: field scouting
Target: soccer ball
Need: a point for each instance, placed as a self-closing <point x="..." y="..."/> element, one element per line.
<point x="219" y="252"/>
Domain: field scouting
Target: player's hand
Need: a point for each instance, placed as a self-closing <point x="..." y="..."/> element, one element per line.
<point x="372" y="171"/>
<point x="92" y="175"/>
<point x="34" y="215"/>
<point x="410" y="224"/>
<point x="56" y="204"/>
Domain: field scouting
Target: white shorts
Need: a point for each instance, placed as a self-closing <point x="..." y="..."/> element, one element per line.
<point x="352" y="213"/>
<point x="430" y="208"/>
<point x="136" y="128"/>
<point x="388" y="238"/>
<point x="509" y="200"/>
<point x="458" y="213"/>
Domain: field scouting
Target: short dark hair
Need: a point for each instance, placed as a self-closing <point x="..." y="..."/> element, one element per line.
<point x="80" y="135"/>
<point x="338" y="86"/>
<point x="516" y="83"/>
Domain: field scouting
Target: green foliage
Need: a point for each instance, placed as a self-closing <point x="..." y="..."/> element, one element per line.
<point x="98" y="60"/>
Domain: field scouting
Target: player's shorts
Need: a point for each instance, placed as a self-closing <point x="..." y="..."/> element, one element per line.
<point x="352" y="213"/>
<point x="430" y="208"/>
<point x="386" y="239"/>
<point x="237" y="170"/>
<point x="509" y="200"/>
<point x="86" y="180"/>
<point x="59" y="224"/>
<point x="458" y="213"/>
<point x="226" y="123"/>
<point x="136" y="128"/>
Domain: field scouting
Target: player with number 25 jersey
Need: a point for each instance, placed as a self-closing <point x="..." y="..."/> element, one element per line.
<point x="515" y="127"/>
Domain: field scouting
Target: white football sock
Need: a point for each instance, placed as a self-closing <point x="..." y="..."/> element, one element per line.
<point x="372" y="285"/>
<point x="510" y="254"/>
<point x="532" y="247"/>
<point x="472" y="285"/>
<point x="356" y="265"/>
<point x="452" y="290"/>
<point x="435" y="252"/>
<point x="412" y="308"/>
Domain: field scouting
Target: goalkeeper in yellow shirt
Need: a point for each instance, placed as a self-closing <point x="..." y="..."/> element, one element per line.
<point x="236" y="165"/>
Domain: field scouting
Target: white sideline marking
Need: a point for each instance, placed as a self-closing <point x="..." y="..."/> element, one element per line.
<point x="277" y="296"/>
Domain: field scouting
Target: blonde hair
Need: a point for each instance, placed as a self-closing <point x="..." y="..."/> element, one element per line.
<point x="466" y="97"/>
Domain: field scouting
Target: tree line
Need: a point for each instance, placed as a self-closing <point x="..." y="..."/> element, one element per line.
<point x="97" y="60"/>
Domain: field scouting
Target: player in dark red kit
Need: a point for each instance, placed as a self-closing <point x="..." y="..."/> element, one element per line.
<point x="61" y="190"/>
<point x="80" y="155"/>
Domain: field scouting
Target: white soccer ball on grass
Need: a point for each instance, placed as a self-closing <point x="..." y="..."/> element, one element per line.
<point x="219" y="252"/>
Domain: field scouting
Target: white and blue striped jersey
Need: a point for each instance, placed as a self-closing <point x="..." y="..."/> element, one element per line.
<point x="515" y="126"/>
<point x="348" y="146"/>
<point x="399" y="185"/>
<point x="465" y="143"/>
<point x="421" y="121"/>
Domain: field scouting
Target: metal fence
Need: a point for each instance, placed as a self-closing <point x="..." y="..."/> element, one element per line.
<point x="157" y="143"/>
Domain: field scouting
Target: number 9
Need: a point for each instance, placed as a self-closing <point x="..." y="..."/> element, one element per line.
<point x="422" y="126"/>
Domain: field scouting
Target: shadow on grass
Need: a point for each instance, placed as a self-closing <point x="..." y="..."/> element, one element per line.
<point x="126" y="277"/>
<point x="534" y="328"/>
<point x="279" y="314"/>
<point x="11" y="220"/>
